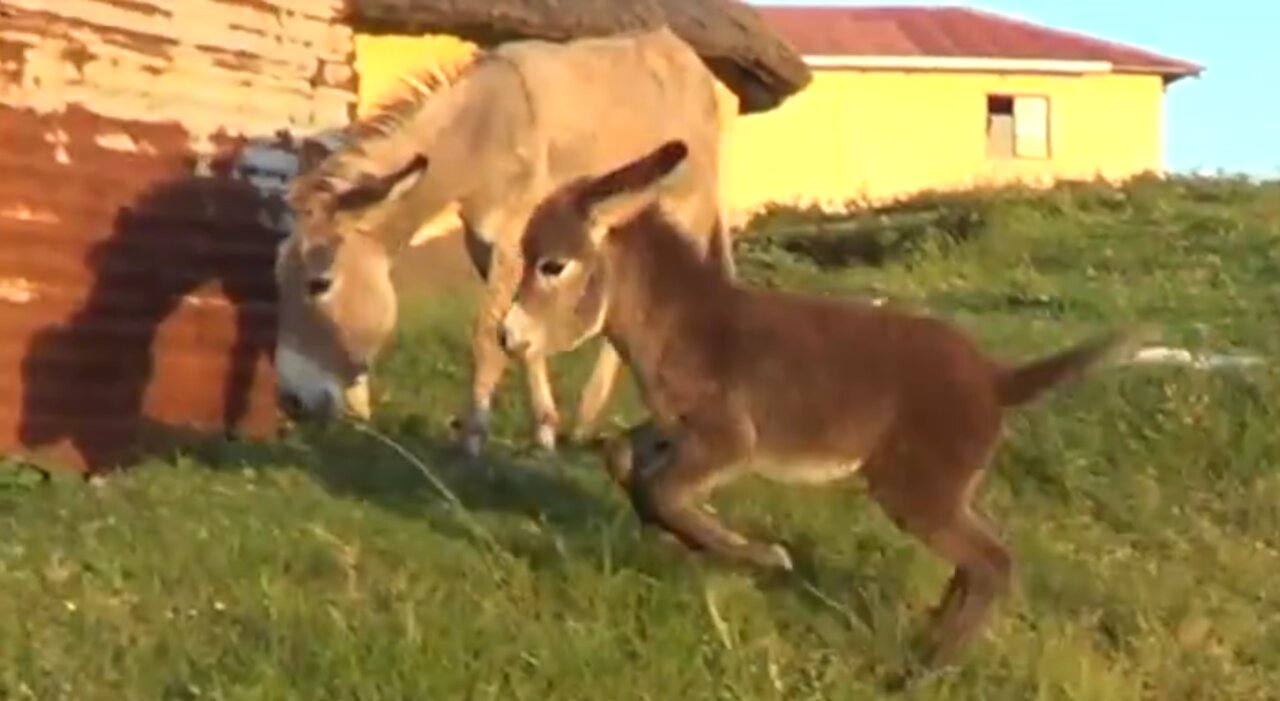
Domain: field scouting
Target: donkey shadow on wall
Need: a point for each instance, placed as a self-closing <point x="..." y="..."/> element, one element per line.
<point x="172" y="340"/>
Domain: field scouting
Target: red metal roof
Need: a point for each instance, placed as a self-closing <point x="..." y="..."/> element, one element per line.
<point x="950" y="32"/>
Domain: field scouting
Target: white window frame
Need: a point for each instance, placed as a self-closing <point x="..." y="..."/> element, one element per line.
<point x="1032" y="120"/>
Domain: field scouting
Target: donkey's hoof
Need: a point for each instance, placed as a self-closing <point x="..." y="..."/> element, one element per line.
<point x="471" y="438"/>
<point x="472" y="445"/>
<point x="618" y="460"/>
<point x="545" y="437"/>
<point x="583" y="434"/>
<point x="778" y="558"/>
<point x="472" y="429"/>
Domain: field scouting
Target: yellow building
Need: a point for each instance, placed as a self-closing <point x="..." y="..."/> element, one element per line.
<point x="905" y="99"/>
<point x="911" y="98"/>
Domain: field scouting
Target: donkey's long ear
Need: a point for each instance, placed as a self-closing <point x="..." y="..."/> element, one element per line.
<point x="618" y="195"/>
<point x="369" y="188"/>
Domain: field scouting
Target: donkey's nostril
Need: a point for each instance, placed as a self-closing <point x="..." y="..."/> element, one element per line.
<point x="513" y="342"/>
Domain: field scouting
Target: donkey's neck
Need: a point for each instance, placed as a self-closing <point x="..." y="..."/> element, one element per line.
<point x="660" y="287"/>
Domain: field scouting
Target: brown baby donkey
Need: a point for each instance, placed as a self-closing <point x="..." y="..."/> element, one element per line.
<point x="794" y="388"/>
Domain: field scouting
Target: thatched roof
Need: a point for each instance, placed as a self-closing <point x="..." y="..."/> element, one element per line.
<point x="732" y="38"/>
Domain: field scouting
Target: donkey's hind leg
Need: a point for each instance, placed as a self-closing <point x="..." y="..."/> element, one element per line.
<point x="984" y="572"/>
<point x="938" y="513"/>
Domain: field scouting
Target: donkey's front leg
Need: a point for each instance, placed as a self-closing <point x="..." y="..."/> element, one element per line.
<point x="488" y="365"/>
<point x="595" y="394"/>
<point x="489" y="361"/>
<point x="542" y="401"/>
<point x="641" y="449"/>
<point x="670" y="489"/>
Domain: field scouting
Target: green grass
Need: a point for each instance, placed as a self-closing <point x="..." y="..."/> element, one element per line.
<point x="1143" y="507"/>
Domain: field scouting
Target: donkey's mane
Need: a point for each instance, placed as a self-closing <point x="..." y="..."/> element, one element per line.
<point x="369" y="139"/>
<point x="395" y="112"/>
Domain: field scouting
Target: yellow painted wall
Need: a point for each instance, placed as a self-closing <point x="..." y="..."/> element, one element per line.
<point x="882" y="134"/>
<point x="872" y="135"/>
<point x="382" y="59"/>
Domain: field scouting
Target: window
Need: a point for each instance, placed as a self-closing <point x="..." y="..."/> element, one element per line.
<point x="1017" y="126"/>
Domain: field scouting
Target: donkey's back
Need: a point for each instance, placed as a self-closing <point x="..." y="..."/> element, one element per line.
<point x="598" y="101"/>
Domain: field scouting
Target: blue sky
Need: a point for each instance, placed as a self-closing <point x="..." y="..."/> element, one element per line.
<point x="1229" y="117"/>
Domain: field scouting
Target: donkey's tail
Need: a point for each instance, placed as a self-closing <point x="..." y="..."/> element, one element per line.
<point x="1023" y="383"/>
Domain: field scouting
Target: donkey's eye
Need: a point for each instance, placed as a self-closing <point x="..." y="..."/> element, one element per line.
<point x="317" y="286"/>
<point x="551" y="268"/>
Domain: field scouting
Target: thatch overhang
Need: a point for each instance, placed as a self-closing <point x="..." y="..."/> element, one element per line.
<point x="733" y="39"/>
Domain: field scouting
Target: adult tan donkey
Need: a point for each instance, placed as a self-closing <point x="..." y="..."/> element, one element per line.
<point x="789" y="387"/>
<point x="488" y="143"/>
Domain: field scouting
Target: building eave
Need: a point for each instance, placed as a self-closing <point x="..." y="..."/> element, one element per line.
<point x="963" y="64"/>
<point x="985" y="64"/>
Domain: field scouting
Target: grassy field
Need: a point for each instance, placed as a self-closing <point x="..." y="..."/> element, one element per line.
<point x="1143" y="507"/>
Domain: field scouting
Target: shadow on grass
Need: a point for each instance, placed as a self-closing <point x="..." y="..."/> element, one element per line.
<point x="565" y="518"/>
<point x="351" y="464"/>
<point x="872" y="237"/>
